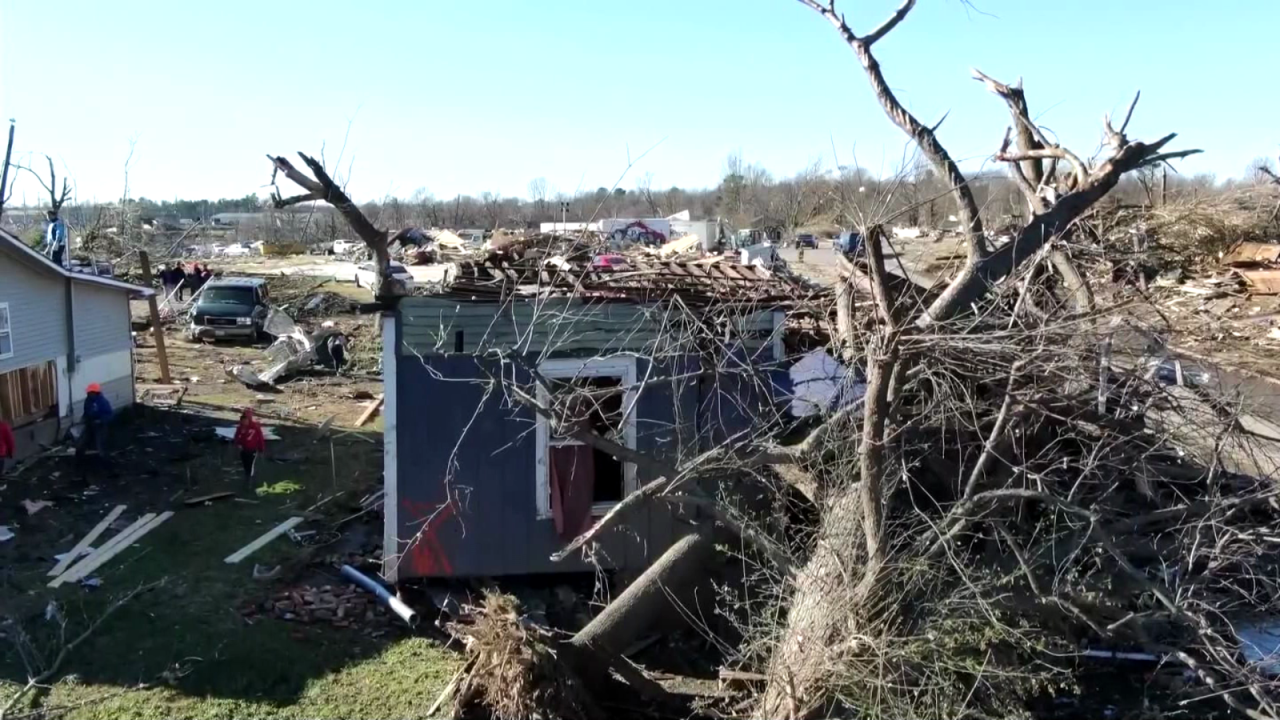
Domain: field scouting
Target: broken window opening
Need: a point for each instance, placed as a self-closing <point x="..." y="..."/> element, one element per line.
<point x="575" y="480"/>
<point x="6" y="334"/>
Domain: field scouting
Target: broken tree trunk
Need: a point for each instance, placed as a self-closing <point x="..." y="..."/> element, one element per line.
<point x="822" y="614"/>
<point x="826" y="606"/>
<point x="671" y="582"/>
<point x="322" y="188"/>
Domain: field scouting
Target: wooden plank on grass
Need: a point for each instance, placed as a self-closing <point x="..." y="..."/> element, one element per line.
<point x="207" y="498"/>
<point x="267" y="537"/>
<point x="84" y="569"/>
<point x="120" y="537"/>
<point x="368" y="413"/>
<point x="86" y="541"/>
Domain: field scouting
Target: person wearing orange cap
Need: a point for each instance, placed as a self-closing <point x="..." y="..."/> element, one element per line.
<point x="97" y="413"/>
<point x="251" y="440"/>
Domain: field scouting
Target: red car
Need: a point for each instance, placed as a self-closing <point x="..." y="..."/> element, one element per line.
<point x="613" y="262"/>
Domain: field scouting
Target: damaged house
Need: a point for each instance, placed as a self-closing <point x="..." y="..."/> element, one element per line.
<point x="663" y="358"/>
<point x="59" y="331"/>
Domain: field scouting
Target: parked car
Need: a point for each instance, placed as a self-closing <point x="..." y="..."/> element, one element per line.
<point x="230" y="308"/>
<point x="342" y="247"/>
<point x="808" y="240"/>
<point x="611" y="261"/>
<point x="236" y="250"/>
<point x="217" y="250"/>
<point x="848" y="243"/>
<point x="367" y="275"/>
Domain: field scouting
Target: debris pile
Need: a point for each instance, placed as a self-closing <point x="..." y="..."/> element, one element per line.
<point x="293" y="351"/>
<point x="641" y="280"/>
<point x="324" y="303"/>
<point x="513" y="670"/>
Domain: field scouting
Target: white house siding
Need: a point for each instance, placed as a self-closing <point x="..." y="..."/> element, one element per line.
<point x="37" y="312"/>
<point x="104" y="344"/>
<point x="101" y="319"/>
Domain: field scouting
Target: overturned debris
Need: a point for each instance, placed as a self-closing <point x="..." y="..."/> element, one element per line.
<point x="293" y="351"/>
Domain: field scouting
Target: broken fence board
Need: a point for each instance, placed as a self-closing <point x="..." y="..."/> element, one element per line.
<point x="116" y="540"/>
<point x="84" y="569"/>
<point x="108" y="546"/>
<point x="86" y="541"/>
<point x="267" y="537"/>
<point x="369" y="411"/>
<point x="207" y="498"/>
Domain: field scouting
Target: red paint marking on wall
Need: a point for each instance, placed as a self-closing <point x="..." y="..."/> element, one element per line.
<point x="426" y="554"/>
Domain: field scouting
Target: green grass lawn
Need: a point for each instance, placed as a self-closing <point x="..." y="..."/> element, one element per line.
<point x="185" y="649"/>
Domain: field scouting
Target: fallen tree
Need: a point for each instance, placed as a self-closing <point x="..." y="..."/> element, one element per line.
<point x="1005" y="510"/>
<point x="1003" y="504"/>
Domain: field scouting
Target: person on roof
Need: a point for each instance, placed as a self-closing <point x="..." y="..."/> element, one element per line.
<point x="97" y="413"/>
<point x="55" y="238"/>
<point x="251" y="440"/>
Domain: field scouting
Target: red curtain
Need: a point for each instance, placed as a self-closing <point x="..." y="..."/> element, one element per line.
<point x="573" y="474"/>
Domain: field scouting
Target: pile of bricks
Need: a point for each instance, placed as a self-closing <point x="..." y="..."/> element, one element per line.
<point x="341" y="606"/>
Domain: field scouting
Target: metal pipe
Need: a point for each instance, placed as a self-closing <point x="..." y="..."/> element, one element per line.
<point x="405" y="612"/>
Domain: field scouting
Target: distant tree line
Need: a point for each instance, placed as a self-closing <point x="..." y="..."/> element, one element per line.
<point x="817" y="197"/>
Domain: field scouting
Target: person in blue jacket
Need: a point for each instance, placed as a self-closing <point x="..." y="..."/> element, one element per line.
<point x="56" y="238"/>
<point x="97" y="413"/>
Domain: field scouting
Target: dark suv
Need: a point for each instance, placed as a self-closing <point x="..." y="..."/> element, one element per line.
<point x="229" y="308"/>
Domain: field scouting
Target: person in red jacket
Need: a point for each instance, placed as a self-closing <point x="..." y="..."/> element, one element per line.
<point x="251" y="441"/>
<point x="7" y="445"/>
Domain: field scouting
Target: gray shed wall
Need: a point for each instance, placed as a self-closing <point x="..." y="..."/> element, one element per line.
<point x="37" y="312"/>
<point x="454" y="442"/>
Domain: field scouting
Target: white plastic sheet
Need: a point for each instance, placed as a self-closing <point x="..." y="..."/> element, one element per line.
<point x="820" y="383"/>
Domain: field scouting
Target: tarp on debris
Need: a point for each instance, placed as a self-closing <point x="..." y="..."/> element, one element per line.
<point x="821" y="384"/>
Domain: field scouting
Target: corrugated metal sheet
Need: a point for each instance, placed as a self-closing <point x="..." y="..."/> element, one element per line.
<point x="444" y="325"/>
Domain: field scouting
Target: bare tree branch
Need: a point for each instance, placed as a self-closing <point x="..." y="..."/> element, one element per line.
<point x="924" y="137"/>
<point x="320" y="186"/>
<point x="68" y="648"/>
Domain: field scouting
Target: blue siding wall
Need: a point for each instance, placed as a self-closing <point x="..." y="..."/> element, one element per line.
<point x="466" y="466"/>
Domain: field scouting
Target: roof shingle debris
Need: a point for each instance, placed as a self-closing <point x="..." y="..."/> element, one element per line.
<point x="638" y="280"/>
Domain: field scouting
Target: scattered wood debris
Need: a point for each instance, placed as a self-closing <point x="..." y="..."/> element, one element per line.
<point x="265" y="538"/>
<point x="86" y="541"/>
<point x="374" y="407"/>
<point x="207" y="498"/>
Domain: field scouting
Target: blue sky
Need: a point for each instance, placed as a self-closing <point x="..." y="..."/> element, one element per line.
<point x="469" y="96"/>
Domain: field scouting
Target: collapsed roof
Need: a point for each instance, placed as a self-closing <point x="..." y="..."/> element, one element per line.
<point x="705" y="282"/>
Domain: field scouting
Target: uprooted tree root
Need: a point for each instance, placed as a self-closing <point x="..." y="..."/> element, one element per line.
<point x="514" y="671"/>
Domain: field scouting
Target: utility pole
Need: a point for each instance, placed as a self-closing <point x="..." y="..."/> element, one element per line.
<point x="157" y="331"/>
<point x="564" y="212"/>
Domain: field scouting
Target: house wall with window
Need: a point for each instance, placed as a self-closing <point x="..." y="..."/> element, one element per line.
<point x="59" y="331"/>
<point x="468" y="468"/>
<point x="36" y="305"/>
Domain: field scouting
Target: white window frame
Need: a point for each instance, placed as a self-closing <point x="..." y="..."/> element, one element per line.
<point x="623" y="368"/>
<point x="8" y="330"/>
